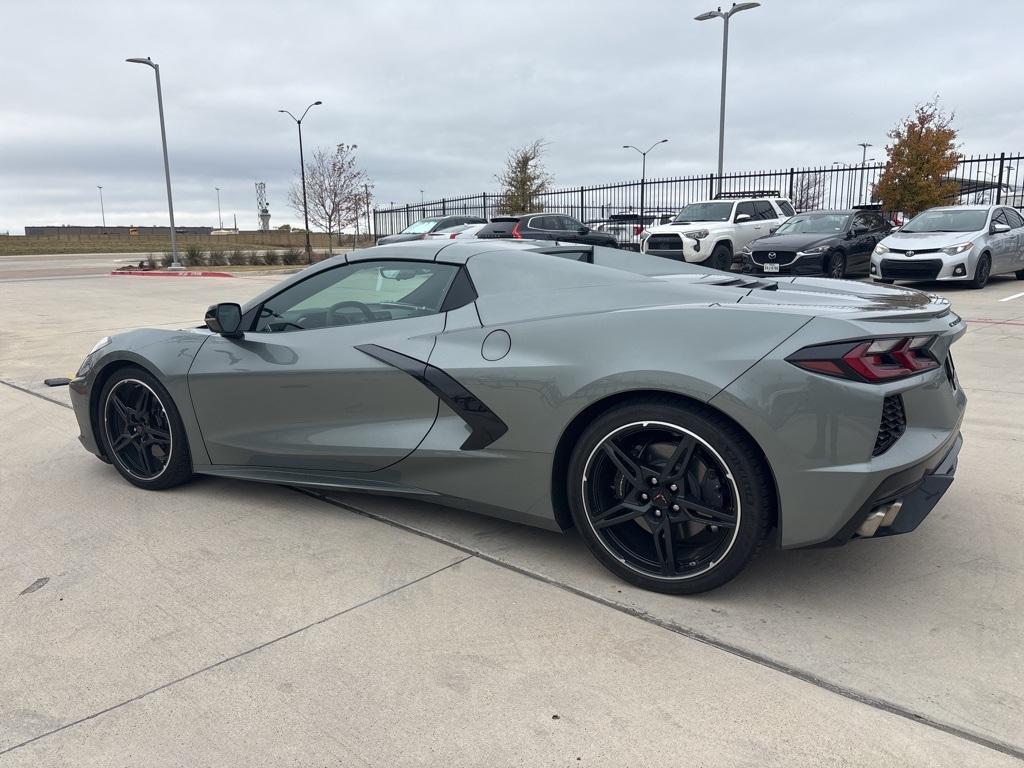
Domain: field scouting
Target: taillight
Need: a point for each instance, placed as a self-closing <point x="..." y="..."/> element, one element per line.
<point x="637" y="230"/>
<point x="515" y="231"/>
<point x="871" y="360"/>
<point x="454" y="235"/>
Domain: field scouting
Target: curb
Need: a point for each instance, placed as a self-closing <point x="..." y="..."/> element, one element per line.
<point x="159" y="273"/>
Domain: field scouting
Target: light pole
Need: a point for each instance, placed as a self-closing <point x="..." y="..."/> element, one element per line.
<point x="725" y="16"/>
<point x="103" y="214"/>
<point x="175" y="264"/>
<point x="220" y="219"/>
<point x="643" y="173"/>
<point x="302" y="168"/>
<point x="863" y="161"/>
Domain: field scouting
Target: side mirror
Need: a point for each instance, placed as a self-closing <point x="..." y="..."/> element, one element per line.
<point x="742" y="217"/>
<point x="772" y="230"/>
<point x="895" y="228"/>
<point x="583" y="230"/>
<point x="225" y="319"/>
<point x="999" y="228"/>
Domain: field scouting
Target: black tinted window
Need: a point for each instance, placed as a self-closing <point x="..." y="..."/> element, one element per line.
<point x="747" y="208"/>
<point x="1015" y="219"/>
<point x="999" y="217"/>
<point x="569" y="223"/>
<point x="785" y="207"/>
<point x="764" y="210"/>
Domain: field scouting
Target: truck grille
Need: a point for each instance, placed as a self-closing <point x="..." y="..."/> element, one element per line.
<point x="892" y="426"/>
<point x="664" y="243"/>
<point x="920" y="269"/>
<point x="783" y="258"/>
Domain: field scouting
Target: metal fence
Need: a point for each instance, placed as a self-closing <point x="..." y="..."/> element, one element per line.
<point x="979" y="179"/>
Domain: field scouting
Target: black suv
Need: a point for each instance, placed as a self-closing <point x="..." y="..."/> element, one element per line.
<point x="546" y="226"/>
<point x="420" y="229"/>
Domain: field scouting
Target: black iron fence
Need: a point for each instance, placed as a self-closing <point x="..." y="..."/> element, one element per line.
<point x="995" y="179"/>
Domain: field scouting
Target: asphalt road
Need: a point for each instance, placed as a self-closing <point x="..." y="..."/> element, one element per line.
<point x="231" y="624"/>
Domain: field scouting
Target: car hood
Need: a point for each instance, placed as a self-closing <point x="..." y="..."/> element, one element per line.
<point x="794" y="242"/>
<point x="679" y="228"/>
<point x="921" y="240"/>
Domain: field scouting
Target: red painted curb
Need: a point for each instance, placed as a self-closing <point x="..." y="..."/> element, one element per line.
<point x="159" y="273"/>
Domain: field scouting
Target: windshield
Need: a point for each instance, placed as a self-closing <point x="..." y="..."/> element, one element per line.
<point x="419" y="227"/>
<point x="704" y="212"/>
<point x="822" y="224"/>
<point x="948" y="221"/>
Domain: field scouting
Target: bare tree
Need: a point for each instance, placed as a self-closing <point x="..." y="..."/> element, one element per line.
<point x="523" y="179"/>
<point x="808" y="191"/>
<point x="335" y="188"/>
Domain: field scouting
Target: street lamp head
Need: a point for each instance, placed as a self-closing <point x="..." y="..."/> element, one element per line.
<point x="737" y="7"/>
<point x="710" y="15"/>
<point x="139" y="60"/>
<point x="317" y="103"/>
<point x="663" y="141"/>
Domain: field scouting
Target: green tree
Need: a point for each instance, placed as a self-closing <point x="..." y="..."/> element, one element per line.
<point x="523" y="179"/>
<point x="922" y="154"/>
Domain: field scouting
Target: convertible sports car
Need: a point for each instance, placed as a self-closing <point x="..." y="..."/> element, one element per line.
<point x="671" y="413"/>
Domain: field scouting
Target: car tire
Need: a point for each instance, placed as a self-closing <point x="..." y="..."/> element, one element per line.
<point x="1019" y="274"/>
<point x="835" y="266"/>
<point x="721" y="469"/>
<point x="141" y="431"/>
<point x="982" y="272"/>
<point x="721" y="257"/>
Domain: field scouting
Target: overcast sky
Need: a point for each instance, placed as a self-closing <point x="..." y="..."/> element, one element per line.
<point x="435" y="92"/>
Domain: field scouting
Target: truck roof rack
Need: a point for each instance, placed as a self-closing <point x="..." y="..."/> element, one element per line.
<point x="750" y="193"/>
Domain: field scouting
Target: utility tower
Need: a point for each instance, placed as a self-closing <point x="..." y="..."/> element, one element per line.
<point x="262" y="206"/>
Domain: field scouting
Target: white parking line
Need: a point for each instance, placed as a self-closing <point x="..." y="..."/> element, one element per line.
<point x="1015" y="296"/>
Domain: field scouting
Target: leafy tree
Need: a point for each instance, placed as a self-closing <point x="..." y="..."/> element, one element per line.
<point x="523" y="179"/>
<point x="335" y="190"/>
<point x="922" y="154"/>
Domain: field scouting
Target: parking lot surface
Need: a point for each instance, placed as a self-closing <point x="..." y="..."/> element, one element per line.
<point x="225" y="623"/>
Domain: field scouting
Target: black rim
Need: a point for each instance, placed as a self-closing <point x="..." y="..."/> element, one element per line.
<point x="983" y="268"/>
<point x="836" y="267"/>
<point x="138" y="430"/>
<point x="661" y="500"/>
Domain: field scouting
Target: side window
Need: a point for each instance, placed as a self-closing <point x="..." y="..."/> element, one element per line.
<point x="747" y="208"/>
<point x="785" y="207"/>
<point x="878" y="223"/>
<point x="569" y="223"/>
<point x="1015" y="219"/>
<point x="543" y="223"/>
<point x="861" y="222"/>
<point x="365" y="292"/>
<point x="764" y="210"/>
<point x="999" y="217"/>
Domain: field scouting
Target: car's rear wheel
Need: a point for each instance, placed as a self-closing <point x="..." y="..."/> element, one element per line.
<point x="1019" y="274"/>
<point x="721" y="257"/>
<point x="671" y="498"/>
<point x="982" y="271"/>
<point x="141" y="430"/>
<point x="836" y="266"/>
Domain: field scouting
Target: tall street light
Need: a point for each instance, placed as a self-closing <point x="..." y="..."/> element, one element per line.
<point x="103" y="214"/>
<point x="175" y="264"/>
<point x="725" y="16"/>
<point x="863" y="161"/>
<point x="643" y="173"/>
<point x="302" y="166"/>
<point x="220" y="219"/>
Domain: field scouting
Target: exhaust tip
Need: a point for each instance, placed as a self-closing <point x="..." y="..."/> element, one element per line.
<point x="880" y="517"/>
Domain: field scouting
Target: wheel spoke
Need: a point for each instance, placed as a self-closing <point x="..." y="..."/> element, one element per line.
<point x="159" y="436"/>
<point x="664" y="548"/>
<point x="119" y="406"/>
<point x="676" y="466"/>
<point x="624" y="464"/>
<point x="620" y="513"/>
<point x="701" y="513"/>
<point x="123" y="440"/>
<point x="142" y="401"/>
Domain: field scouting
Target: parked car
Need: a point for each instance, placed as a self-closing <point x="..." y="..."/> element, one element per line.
<point x="420" y="229"/>
<point x="627" y="226"/>
<point x="967" y="243"/>
<point x="712" y="231"/>
<point x="504" y="378"/>
<point x="546" y="226"/>
<point x="831" y="243"/>
<point x="460" y="230"/>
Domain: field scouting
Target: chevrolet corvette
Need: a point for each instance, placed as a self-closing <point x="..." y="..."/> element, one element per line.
<point x="676" y="416"/>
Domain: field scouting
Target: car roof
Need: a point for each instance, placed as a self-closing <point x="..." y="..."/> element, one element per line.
<point x="975" y="207"/>
<point x="833" y="211"/>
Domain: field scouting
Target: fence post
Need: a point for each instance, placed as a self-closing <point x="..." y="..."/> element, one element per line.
<point x="791" y="170"/>
<point x="444" y="207"/>
<point x="711" y="186"/>
<point x="408" y="221"/>
<point x="582" y="216"/>
<point x="999" y="188"/>
<point x="483" y="197"/>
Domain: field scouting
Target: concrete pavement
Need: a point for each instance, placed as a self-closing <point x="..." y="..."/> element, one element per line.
<point x="233" y="624"/>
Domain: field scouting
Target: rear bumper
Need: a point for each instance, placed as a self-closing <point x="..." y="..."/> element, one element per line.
<point x="917" y="489"/>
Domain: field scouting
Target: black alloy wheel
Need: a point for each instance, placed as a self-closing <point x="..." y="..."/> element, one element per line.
<point x="982" y="271"/>
<point x="141" y="431"/>
<point x="672" y="501"/>
<point x="836" y="266"/>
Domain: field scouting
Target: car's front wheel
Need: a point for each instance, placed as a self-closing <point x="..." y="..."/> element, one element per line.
<point x="982" y="271"/>
<point x="141" y="430"/>
<point x="669" y="497"/>
<point x="836" y="266"/>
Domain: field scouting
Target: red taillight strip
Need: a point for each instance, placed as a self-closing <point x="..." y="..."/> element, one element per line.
<point x="853" y="361"/>
<point x="515" y="231"/>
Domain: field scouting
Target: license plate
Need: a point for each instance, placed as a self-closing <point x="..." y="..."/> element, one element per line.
<point x="771" y="267"/>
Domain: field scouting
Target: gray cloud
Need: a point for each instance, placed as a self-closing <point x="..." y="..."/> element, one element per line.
<point x="435" y="92"/>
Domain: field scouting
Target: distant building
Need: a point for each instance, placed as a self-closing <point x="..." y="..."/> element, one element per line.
<point x="143" y="232"/>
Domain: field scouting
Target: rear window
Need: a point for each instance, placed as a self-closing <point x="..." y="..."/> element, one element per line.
<point x="785" y="207"/>
<point x="497" y="228"/>
<point x="421" y="226"/>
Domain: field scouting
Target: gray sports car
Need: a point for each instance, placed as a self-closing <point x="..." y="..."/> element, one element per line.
<point x="674" y="415"/>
